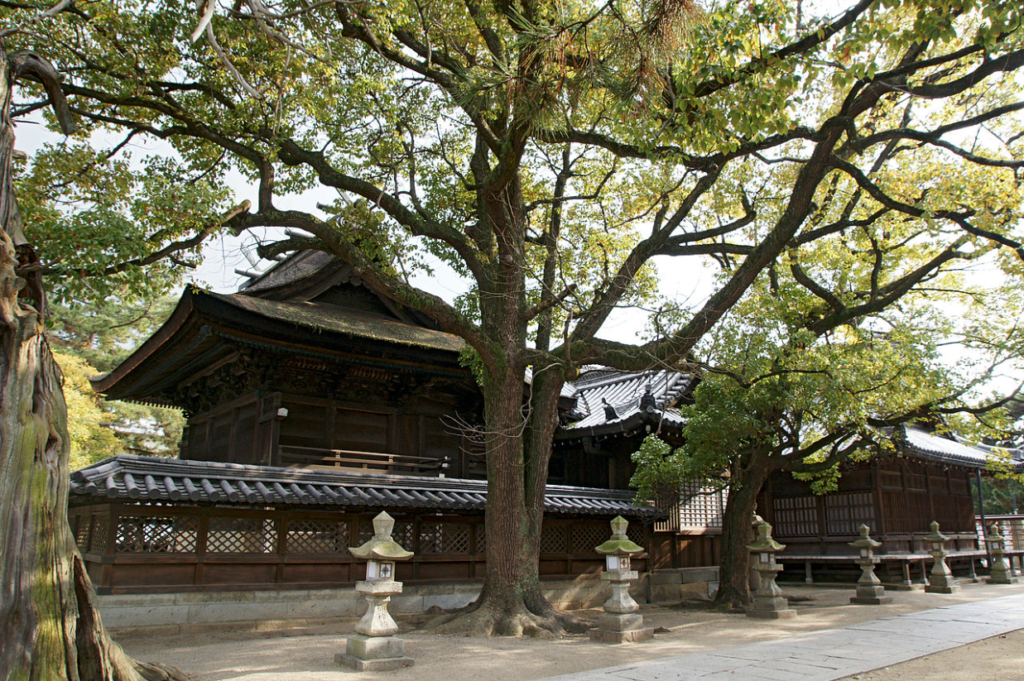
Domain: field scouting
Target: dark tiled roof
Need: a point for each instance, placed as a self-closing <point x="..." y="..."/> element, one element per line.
<point x="622" y="391"/>
<point x="299" y="265"/>
<point x="137" y="478"/>
<point x="919" y="443"/>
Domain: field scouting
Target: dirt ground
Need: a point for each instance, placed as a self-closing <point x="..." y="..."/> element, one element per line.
<point x="304" y="653"/>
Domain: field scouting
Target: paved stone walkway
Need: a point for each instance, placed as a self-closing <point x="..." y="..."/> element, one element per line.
<point x="831" y="653"/>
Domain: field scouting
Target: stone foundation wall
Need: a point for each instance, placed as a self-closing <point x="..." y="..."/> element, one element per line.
<point x="675" y="585"/>
<point x="175" y="613"/>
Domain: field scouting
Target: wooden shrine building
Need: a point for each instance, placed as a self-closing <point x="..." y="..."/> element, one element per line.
<point x="926" y="478"/>
<point x="312" y="404"/>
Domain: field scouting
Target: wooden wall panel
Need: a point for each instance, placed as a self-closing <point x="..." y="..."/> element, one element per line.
<point x="150" y="549"/>
<point x="304" y="425"/>
<point x="439" y="442"/>
<point x="244" y="446"/>
<point x="239" y="573"/>
<point x="361" y="431"/>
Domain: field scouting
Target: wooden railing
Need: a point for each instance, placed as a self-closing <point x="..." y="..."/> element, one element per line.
<point x="1013" y="529"/>
<point x="372" y="462"/>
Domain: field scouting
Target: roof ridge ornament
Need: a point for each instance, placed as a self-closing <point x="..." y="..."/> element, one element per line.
<point x="647" y="402"/>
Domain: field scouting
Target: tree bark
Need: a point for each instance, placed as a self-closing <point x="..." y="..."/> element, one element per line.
<point x="518" y="427"/>
<point x="734" y="578"/>
<point x="49" y="625"/>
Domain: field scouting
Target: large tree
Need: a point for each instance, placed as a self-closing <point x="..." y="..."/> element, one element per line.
<point x="550" y="152"/>
<point x="49" y="624"/>
<point x="787" y="389"/>
<point x="904" y="313"/>
<point x="78" y="206"/>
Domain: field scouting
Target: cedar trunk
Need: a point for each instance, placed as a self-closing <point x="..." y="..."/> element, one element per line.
<point x="49" y="625"/>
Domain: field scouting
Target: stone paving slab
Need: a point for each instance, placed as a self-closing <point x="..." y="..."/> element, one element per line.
<point x="832" y="653"/>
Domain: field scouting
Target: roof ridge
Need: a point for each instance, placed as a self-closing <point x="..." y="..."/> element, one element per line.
<point x="159" y="479"/>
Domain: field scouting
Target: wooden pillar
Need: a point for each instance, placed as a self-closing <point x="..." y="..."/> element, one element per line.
<point x="474" y="549"/>
<point x="879" y="504"/>
<point x="931" y="493"/>
<point x="905" y="484"/>
<point x="233" y="455"/>
<point x="109" y="550"/>
<point x="417" y="550"/>
<point x="822" y="522"/>
<point x="199" y="577"/>
<point x="281" y="522"/>
<point x="353" y="540"/>
<point x="981" y="511"/>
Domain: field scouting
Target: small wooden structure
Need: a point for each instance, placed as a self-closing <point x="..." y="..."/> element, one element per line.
<point x="928" y="478"/>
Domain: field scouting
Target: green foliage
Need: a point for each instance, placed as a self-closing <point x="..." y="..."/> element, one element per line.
<point x="92" y="439"/>
<point x="660" y="469"/>
<point x="1002" y="496"/>
<point x="105" y="332"/>
<point x="91" y="338"/>
<point x="100" y="222"/>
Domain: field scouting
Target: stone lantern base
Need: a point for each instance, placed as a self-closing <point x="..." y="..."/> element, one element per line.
<point x="870" y="595"/>
<point x="954" y="589"/>
<point x="942" y="584"/>
<point x="624" y="628"/>
<point x="374" y="653"/>
<point x="1003" y="579"/>
<point x="776" y="608"/>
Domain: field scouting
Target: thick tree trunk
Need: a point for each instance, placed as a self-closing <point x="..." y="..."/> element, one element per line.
<point x="734" y="571"/>
<point x="511" y="602"/>
<point x="49" y="625"/>
<point x="518" y="429"/>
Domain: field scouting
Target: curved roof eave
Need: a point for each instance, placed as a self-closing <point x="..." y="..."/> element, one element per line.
<point x="200" y="315"/>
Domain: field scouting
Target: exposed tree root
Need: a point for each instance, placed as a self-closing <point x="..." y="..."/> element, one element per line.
<point x="98" y="656"/>
<point x="532" y="617"/>
<point x="731" y="597"/>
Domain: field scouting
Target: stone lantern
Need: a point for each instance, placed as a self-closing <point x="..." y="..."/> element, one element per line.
<point x="941" y="578"/>
<point x="374" y="647"/>
<point x="620" y="622"/>
<point x="869" y="588"/>
<point x="769" y="603"/>
<point x="1000" y="572"/>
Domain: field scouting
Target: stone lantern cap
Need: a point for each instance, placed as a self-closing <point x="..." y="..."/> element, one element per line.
<point x="382" y="546"/>
<point x="865" y="541"/>
<point x="765" y="543"/>
<point x="619" y="544"/>
<point x="935" y="537"/>
<point x="995" y="534"/>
